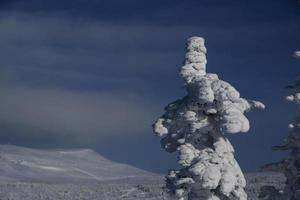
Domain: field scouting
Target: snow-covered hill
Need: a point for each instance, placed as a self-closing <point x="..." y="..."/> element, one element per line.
<point x="81" y="165"/>
<point x="30" y="174"/>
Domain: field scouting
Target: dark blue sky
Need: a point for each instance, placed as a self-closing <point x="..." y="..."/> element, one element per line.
<point x="96" y="74"/>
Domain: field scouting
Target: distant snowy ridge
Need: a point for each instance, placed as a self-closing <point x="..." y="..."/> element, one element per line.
<point x="25" y="164"/>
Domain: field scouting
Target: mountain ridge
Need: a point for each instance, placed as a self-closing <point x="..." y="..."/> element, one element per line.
<point x="35" y="165"/>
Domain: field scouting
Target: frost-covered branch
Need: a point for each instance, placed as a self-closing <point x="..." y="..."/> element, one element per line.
<point x="194" y="126"/>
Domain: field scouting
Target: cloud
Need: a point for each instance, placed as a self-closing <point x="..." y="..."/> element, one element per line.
<point x="61" y="72"/>
<point x="40" y="47"/>
<point x="44" y="48"/>
<point x="79" y="115"/>
<point x="77" y="80"/>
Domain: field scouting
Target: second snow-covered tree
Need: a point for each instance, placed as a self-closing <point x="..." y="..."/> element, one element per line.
<point x="291" y="165"/>
<point x="194" y="126"/>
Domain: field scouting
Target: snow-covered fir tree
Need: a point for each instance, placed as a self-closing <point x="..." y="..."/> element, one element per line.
<point x="291" y="165"/>
<point x="194" y="126"/>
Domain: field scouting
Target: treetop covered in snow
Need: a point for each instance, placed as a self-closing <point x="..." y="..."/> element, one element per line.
<point x="195" y="126"/>
<point x="212" y="95"/>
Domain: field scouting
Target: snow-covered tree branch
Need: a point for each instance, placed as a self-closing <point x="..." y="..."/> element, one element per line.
<point x="194" y="126"/>
<point x="297" y="54"/>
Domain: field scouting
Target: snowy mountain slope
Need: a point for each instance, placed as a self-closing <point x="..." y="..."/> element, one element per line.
<point x="30" y="174"/>
<point x="25" y="164"/>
